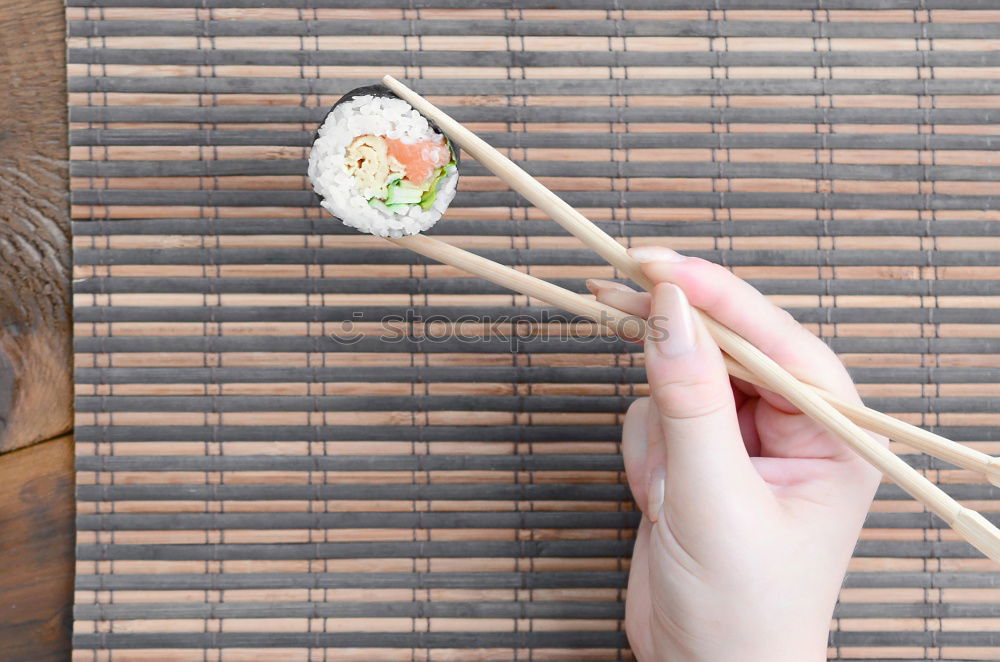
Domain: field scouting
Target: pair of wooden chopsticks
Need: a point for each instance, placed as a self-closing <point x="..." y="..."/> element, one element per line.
<point x="743" y="360"/>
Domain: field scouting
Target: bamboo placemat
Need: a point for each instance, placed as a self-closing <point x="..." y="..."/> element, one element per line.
<point x="251" y="487"/>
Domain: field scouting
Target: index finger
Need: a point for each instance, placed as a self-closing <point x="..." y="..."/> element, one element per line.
<point x="741" y="307"/>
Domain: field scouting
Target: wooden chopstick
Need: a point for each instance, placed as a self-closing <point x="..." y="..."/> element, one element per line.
<point x="972" y="526"/>
<point x="624" y="325"/>
<point x="631" y="327"/>
<point x="914" y="437"/>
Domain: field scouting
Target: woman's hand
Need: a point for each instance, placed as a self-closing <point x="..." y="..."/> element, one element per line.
<point x="751" y="510"/>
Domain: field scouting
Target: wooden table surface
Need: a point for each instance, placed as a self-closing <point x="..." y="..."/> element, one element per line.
<point x="36" y="464"/>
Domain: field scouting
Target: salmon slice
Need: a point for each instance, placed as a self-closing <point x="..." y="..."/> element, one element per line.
<point x="420" y="159"/>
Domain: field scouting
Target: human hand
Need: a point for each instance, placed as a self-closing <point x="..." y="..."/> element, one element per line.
<point x="751" y="509"/>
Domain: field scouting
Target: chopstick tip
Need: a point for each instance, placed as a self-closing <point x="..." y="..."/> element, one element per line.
<point x="992" y="471"/>
<point x="979" y="532"/>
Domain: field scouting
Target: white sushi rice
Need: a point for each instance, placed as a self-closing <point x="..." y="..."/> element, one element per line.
<point x="380" y="116"/>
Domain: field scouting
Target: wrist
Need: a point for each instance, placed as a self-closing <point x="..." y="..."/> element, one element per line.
<point x="738" y="654"/>
<point x="787" y="646"/>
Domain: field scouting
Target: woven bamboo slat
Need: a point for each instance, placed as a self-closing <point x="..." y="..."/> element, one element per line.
<point x="252" y="486"/>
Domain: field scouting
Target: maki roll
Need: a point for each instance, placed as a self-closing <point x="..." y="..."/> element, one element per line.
<point x="382" y="167"/>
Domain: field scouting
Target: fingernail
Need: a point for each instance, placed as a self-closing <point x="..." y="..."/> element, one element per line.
<point x="670" y="327"/>
<point x="646" y="254"/>
<point x="596" y="284"/>
<point x="621" y="299"/>
<point x="657" y="492"/>
<point x="634" y="452"/>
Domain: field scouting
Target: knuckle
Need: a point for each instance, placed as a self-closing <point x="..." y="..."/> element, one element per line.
<point x="692" y="398"/>
<point x="706" y="269"/>
<point x="790" y="340"/>
<point x="702" y="263"/>
<point x="786" y="319"/>
<point x="802" y="353"/>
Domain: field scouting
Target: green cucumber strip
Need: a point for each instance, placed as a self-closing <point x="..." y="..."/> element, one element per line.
<point x="430" y="195"/>
<point x="389" y="209"/>
<point x="378" y="204"/>
<point x="401" y="192"/>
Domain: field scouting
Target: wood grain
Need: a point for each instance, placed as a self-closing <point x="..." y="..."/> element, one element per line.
<point x="35" y="366"/>
<point x="36" y="551"/>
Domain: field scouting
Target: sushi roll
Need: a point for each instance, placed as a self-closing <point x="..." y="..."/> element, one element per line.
<point x="382" y="167"/>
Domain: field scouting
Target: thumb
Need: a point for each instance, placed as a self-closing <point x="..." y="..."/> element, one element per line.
<point x="705" y="455"/>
